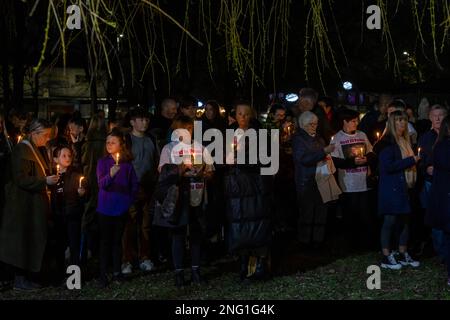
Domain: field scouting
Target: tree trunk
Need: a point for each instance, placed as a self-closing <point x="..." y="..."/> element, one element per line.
<point x="18" y="62"/>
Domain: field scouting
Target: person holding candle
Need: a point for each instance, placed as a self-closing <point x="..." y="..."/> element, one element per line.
<point x="24" y="224"/>
<point x="248" y="196"/>
<point x="68" y="198"/>
<point x="309" y="150"/>
<point x="118" y="186"/>
<point x="353" y="171"/>
<point x="181" y="186"/>
<point x="397" y="170"/>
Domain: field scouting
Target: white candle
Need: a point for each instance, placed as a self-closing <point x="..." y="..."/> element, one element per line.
<point x="81" y="179"/>
<point x="117" y="158"/>
<point x="57" y="169"/>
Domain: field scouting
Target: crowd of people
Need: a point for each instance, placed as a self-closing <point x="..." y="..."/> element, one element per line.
<point x="111" y="193"/>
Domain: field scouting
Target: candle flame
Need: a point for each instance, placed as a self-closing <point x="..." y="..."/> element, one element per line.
<point x="81" y="179"/>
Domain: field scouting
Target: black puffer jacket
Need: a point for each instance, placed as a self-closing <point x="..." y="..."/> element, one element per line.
<point x="248" y="206"/>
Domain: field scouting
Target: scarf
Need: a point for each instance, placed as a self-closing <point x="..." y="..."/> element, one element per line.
<point x="411" y="172"/>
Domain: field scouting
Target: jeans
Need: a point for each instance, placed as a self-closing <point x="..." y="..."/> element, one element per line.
<point x="178" y="235"/>
<point x="447" y="247"/>
<point x="68" y="233"/>
<point x="396" y="226"/>
<point x="440" y="244"/>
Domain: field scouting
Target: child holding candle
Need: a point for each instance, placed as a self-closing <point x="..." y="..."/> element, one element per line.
<point x="118" y="186"/>
<point x="68" y="206"/>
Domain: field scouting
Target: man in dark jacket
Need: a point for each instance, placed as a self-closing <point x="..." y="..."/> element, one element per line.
<point x="76" y="140"/>
<point x="160" y="125"/>
<point x="426" y="144"/>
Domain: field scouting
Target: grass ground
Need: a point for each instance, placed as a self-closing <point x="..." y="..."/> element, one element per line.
<point x="340" y="280"/>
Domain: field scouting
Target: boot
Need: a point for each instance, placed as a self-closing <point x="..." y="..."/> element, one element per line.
<point x="179" y="278"/>
<point x="196" y="277"/>
<point x="260" y="272"/>
<point x="21" y="283"/>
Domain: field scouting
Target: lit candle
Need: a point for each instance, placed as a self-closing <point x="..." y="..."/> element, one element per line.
<point x="192" y="156"/>
<point x="362" y="152"/>
<point x="19" y="138"/>
<point x="81" y="179"/>
<point x="378" y="136"/>
<point x="57" y="169"/>
<point x="117" y="158"/>
<point x="418" y="152"/>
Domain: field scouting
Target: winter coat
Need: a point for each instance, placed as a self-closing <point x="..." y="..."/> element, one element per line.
<point x="438" y="214"/>
<point x="248" y="198"/>
<point x="93" y="149"/>
<point x="307" y="152"/>
<point x="393" y="198"/>
<point x="23" y="228"/>
<point x="248" y="207"/>
<point x="71" y="203"/>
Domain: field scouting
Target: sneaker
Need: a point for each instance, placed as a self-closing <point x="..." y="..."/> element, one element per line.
<point x="406" y="260"/>
<point x="162" y="259"/>
<point x="147" y="265"/>
<point x="127" y="268"/>
<point x="389" y="262"/>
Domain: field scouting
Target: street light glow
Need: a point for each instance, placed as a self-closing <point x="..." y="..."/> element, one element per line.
<point x="348" y="85"/>
<point x="291" y="97"/>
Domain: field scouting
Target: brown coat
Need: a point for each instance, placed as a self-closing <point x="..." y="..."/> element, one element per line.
<point x="23" y="228"/>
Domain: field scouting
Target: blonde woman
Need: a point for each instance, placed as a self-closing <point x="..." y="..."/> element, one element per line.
<point x="397" y="169"/>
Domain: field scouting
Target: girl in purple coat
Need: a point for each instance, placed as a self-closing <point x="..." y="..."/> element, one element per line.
<point x="118" y="185"/>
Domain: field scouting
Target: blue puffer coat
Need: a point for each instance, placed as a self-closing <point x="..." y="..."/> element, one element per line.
<point x="393" y="198"/>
